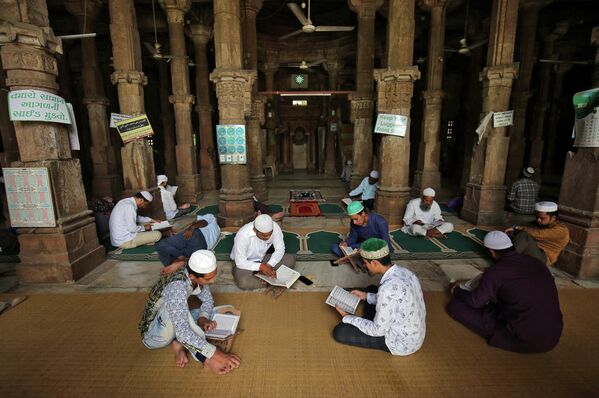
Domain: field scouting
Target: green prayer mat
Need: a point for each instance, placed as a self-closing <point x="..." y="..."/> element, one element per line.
<point x="479" y="233"/>
<point x="276" y="208"/>
<point x="330" y="209"/>
<point x="212" y="209"/>
<point x="414" y="244"/>
<point x="321" y="241"/>
<point x="225" y="245"/>
<point x="461" y="243"/>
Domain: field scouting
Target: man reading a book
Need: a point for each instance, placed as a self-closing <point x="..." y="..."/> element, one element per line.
<point x="515" y="306"/>
<point x="394" y="315"/>
<point x="423" y="217"/>
<point x="167" y="319"/>
<point x="123" y="223"/>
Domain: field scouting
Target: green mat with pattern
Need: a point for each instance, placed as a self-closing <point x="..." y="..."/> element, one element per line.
<point x="330" y="209"/>
<point x="321" y="241"/>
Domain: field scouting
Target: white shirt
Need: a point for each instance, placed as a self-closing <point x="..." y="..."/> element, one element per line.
<point x="249" y="250"/>
<point x="211" y="231"/>
<point x="414" y="213"/>
<point x="366" y="189"/>
<point x="123" y="222"/>
<point x="168" y="203"/>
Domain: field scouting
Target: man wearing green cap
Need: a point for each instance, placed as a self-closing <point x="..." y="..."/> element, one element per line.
<point x="363" y="225"/>
<point x="394" y="316"/>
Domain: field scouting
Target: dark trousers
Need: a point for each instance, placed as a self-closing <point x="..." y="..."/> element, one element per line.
<point x="351" y="335"/>
<point x="525" y="244"/>
<point x="369" y="204"/>
<point x="169" y="249"/>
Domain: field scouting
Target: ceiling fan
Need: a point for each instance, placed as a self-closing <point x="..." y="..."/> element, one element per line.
<point x="154" y="49"/>
<point x="465" y="49"/>
<point x="305" y="66"/>
<point x="307" y="26"/>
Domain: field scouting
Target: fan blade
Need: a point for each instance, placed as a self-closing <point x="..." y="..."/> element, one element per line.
<point x="477" y="45"/>
<point x="310" y="70"/>
<point x="292" y="65"/>
<point x="317" y="62"/>
<point x="298" y="13"/>
<point x="150" y="47"/>
<point x="297" y="32"/>
<point x="451" y="50"/>
<point x="335" y="28"/>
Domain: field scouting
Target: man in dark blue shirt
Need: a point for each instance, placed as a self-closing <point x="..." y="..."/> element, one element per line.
<point x="363" y="225"/>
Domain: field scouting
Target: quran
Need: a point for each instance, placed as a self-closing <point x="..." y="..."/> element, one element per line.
<point x="161" y="225"/>
<point x="285" y="277"/>
<point x="472" y="283"/>
<point x="343" y="299"/>
<point x="226" y="325"/>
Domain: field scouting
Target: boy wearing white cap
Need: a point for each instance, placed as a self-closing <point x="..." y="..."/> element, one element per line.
<point x="423" y="217"/>
<point x="515" y="306"/>
<point x="250" y="248"/>
<point x="346" y="172"/>
<point x="367" y="190"/>
<point x="167" y="319"/>
<point x="543" y="239"/>
<point x="168" y="200"/>
<point x="123" y="223"/>
<point x="524" y="193"/>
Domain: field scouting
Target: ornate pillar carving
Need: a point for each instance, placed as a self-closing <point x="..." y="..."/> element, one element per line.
<point x="485" y="192"/>
<point x="7" y="129"/>
<point x="71" y="249"/>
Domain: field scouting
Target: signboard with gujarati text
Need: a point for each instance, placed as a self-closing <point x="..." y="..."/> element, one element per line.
<point x="37" y="106"/>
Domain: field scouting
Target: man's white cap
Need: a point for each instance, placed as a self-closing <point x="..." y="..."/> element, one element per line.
<point x="161" y="178"/>
<point x="374" y="174"/>
<point x="497" y="240"/>
<point x="546" y="207"/>
<point x="349" y="162"/>
<point x="202" y="262"/>
<point x="528" y="172"/>
<point x="148" y="196"/>
<point x="263" y="223"/>
<point x="428" y="192"/>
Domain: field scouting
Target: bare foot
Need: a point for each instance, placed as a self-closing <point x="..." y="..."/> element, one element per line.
<point x="180" y="354"/>
<point x="169" y="269"/>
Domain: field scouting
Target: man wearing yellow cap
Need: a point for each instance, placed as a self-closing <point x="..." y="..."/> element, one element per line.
<point x="167" y="319"/>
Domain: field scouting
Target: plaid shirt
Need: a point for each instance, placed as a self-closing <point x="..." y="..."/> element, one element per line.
<point x="523" y="196"/>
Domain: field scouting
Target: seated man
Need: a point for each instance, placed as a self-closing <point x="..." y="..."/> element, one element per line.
<point x="202" y="234"/>
<point x="394" y="316"/>
<point x="167" y="319"/>
<point x="543" y="239"/>
<point x="524" y="193"/>
<point x="124" y="231"/>
<point x="367" y="189"/>
<point x="515" y="306"/>
<point x="363" y="225"/>
<point x="168" y="200"/>
<point x="423" y="217"/>
<point x="346" y="172"/>
<point x="251" y="244"/>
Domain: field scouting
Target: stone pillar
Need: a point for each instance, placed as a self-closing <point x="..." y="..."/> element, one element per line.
<point x="233" y="90"/>
<point x="188" y="178"/>
<point x="429" y="156"/>
<point x="559" y="102"/>
<point x="361" y="101"/>
<point x="527" y="32"/>
<point x="270" y="68"/>
<point x="332" y="66"/>
<point x="106" y="179"/>
<point x="201" y="35"/>
<point x="168" y="122"/>
<point x="71" y="249"/>
<point x="485" y="192"/>
<point x="7" y="129"/>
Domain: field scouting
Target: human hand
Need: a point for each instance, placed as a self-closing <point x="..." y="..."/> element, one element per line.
<point x="343" y="243"/>
<point x="433" y="233"/>
<point x="222" y="363"/>
<point x="175" y="265"/>
<point x="184" y="206"/>
<point x="340" y="311"/>
<point x="509" y="231"/>
<point x="188" y="233"/>
<point x="453" y="285"/>
<point x="418" y="222"/>
<point x="268" y="270"/>
<point x="359" y="294"/>
<point x="206" y="324"/>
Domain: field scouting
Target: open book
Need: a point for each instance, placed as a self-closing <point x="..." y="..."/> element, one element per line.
<point x="343" y="299"/>
<point x="172" y="189"/>
<point x="161" y="225"/>
<point x="347" y="201"/>
<point x="226" y="325"/>
<point x="472" y="283"/>
<point x="285" y="277"/>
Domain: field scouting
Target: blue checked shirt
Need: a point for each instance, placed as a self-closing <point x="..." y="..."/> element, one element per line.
<point x="523" y="195"/>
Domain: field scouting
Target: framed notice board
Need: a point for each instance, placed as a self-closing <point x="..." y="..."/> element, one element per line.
<point x="29" y="197"/>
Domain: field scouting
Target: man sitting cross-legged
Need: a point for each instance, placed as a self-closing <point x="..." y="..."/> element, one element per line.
<point x="167" y="320"/>
<point x="250" y="248"/>
<point x="395" y="315"/>
<point x="124" y="230"/>
<point x="423" y="217"/>
<point x="515" y="306"/>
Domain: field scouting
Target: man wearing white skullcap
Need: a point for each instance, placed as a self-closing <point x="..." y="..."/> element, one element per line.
<point x="543" y="239"/>
<point x="346" y="172"/>
<point x="524" y="193"/>
<point x="167" y="319"/>
<point x="514" y="305"/>
<point x="167" y="193"/>
<point x="423" y="217"/>
<point x="367" y="190"/>
<point x="251" y="245"/>
<point x="124" y="229"/>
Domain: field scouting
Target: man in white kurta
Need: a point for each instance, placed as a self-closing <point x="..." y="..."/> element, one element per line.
<point x="171" y="210"/>
<point x="423" y="217"/>
<point x="125" y="232"/>
<point x="367" y="190"/>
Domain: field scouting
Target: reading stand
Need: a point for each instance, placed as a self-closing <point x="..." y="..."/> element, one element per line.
<point x="225" y="345"/>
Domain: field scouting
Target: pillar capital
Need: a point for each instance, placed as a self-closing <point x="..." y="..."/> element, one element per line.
<point x="396" y="88"/>
<point x="364" y="8"/>
<point x="499" y="75"/>
<point x="252" y="6"/>
<point x="128" y="76"/>
<point x="175" y="9"/>
<point x="31" y="35"/>
<point x="361" y="107"/>
<point x="181" y="99"/>
<point x="234" y="87"/>
<point x="199" y="33"/>
<point x="428" y="5"/>
<point x="84" y="8"/>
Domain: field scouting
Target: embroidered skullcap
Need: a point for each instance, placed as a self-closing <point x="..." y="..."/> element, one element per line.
<point x="263" y="223"/>
<point x="429" y="192"/>
<point x="528" y="172"/>
<point x="374" y="249"/>
<point x="546" y="207"/>
<point x="147" y="196"/>
<point x="202" y="262"/>
<point x="497" y="240"/>
<point x="161" y="178"/>
<point x="374" y="174"/>
<point x="354" y="208"/>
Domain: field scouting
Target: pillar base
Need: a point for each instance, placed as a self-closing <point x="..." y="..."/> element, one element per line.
<point x="483" y="204"/>
<point x="425" y="179"/>
<point x="235" y="212"/>
<point x="581" y="266"/>
<point x="107" y="185"/>
<point x="258" y="183"/>
<point x="189" y="188"/>
<point x="391" y="204"/>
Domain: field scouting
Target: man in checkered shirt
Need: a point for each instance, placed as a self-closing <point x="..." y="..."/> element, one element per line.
<point x="524" y="193"/>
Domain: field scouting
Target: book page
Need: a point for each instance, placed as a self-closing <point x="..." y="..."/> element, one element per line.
<point x="343" y="299"/>
<point x="347" y="250"/>
<point x="161" y="225"/>
<point x="347" y="201"/>
<point x="285" y="277"/>
<point x="471" y="284"/>
<point x="226" y="325"/>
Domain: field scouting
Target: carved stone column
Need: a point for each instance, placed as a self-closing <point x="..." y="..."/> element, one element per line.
<point x="559" y="102"/>
<point x="201" y="35"/>
<point x="332" y="66"/>
<point x="188" y="178"/>
<point x="168" y="122"/>
<point x="233" y="90"/>
<point x="7" y="129"/>
<point x="71" y="249"/>
<point x="429" y="155"/>
<point x="106" y="179"/>
<point x="485" y="192"/>
<point x="270" y="68"/>
<point x="395" y="91"/>
<point x="362" y="102"/>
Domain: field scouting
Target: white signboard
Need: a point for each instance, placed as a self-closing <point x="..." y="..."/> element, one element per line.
<point x="29" y="197"/>
<point x="37" y="106"/>
<point x="482" y="126"/>
<point x="118" y="117"/>
<point x="73" y="133"/>
<point x="392" y="124"/>
<point x="503" y="119"/>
